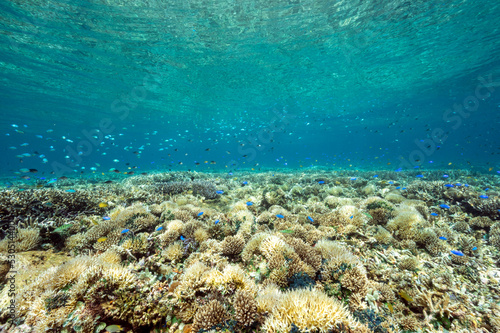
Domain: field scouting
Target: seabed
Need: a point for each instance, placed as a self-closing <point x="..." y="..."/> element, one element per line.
<point x="313" y="251"/>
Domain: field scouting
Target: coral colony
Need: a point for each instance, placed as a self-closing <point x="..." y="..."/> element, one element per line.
<point x="253" y="252"/>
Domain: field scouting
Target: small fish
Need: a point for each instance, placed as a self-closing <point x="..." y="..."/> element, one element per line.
<point x="368" y="215"/>
<point x="279" y="216"/>
<point x="114" y="328"/>
<point x="249" y="203"/>
<point x="216" y="221"/>
<point x="445" y="176"/>
<point x="398" y="187"/>
<point x="102" y="239"/>
<point x="103" y="205"/>
<point x="200" y="214"/>
<point x="434" y="214"/>
<point x="310" y="219"/>
<point x="106" y="218"/>
<point x="391" y="182"/>
<point x="351" y="217"/>
<point x="33" y="170"/>
<point x="182" y="238"/>
<point x="287" y="231"/>
<point x="457" y="253"/>
<point x="70" y="191"/>
<point x="245" y="183"/>
<point x="375" y="176"/>
<point x="321" y="182"/>
<point x="419" y="176"/>
<point x="390" y="307"/>
<point x="474" y="248"/>
<point x="124" y="231"/>
<point x="443" y="238"/>
<point x="449" y="185"/>
<point x="405" y="296"/>
<point x="219" y="192"/>
<point x="483" y="196"/>
<point x="353" y="178"/>
<point x="108" y="182"/>
<point x="458" y="184"/>
<point x="159" y="228"/>
<point x="444" y="206"/>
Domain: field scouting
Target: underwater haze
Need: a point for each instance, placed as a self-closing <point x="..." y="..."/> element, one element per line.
<point x="90" y="86"/>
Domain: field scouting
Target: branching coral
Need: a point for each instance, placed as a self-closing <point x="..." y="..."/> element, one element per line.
<point x="232" y="245"/>
<point x="209" y="315"/>
<point x="306" y="309"/>
<point x="24" y="240"/>
<point x="245" y="308"/>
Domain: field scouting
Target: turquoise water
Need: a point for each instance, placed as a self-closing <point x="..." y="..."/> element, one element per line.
<point x="235" y="85"/>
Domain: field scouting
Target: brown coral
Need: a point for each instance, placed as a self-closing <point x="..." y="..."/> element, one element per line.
<point x="245" y="308"/>
<point x="232" y="245"/>
<point x="209" y="315"/>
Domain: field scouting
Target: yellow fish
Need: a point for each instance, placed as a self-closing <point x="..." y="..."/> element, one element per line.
<point x="102" y="239"/>
<point x="114" y="328"/>
<point x="405" y="296"/>
<point x="391" y="308"/>
<point x="103" y="205"/>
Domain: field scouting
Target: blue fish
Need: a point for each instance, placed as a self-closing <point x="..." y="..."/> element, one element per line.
<point x="219" y="192"/>
<point x="159" y="228"/>
<point x="106" y="218"/>
<point x="245" y="183"/>
<point x="249" y="203"/>
<point x="200" y="213"/>
<point x="404" y="188"/>
<point x="419" y="176"/>
<point x="321" y="182"/>
<point x="279" y="216"/>
<point x="457" y="253"/>
<point x="443" y="238"/>
<point x="398" y="187"/>
<point x="483" y="196"/>
<point x="444" y="206"/>
<point x="449" y="185"/>
<point x="70" y="191"/>
<point x="458" y="184"/>
<point x="52" y="181"/>
<point x="351" y="217"/>
<point x="375" y="176"/>
<point x="182" y="238"/>
<point x="445" y="176"/>
<point x="434" y="214"/>
<point x="391" y="182"/>
<point x="310" y="219"/>
<point x="474" y="248"/>
<point x="486" y="189"/>
<point x="124" y="231"/>
<point x="353" y="178"/>
<point x="466" y="185"/>
<point x="216" y="221"/>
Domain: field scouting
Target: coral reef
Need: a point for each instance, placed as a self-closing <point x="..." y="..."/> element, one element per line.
<point x="316" y="251"/>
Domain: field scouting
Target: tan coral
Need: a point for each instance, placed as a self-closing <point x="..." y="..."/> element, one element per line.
<point x="308" y="310"/>
<point x="209" y="315"/>
<point x="245" y="308"/>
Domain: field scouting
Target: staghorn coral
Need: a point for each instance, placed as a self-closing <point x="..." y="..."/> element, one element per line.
<point x="23" y="240"/>
<point x="355" y="280"/>
<point x="245" y="308"/>
<point x="232" y="245"/>
<point x="174" y="251"/>
<point x="305" y="309"/>
<point x="209" y="315"/>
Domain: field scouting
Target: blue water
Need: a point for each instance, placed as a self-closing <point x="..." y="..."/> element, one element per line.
<point x="219" y="85"/>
